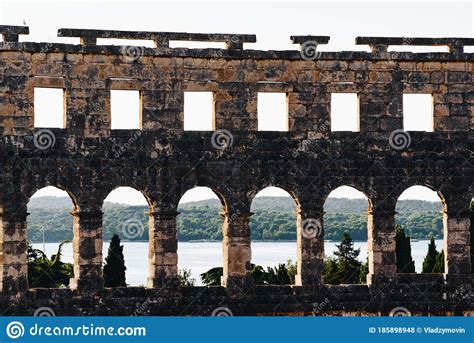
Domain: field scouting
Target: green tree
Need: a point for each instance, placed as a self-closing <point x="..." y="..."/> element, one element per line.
<point x="430" y="258"/>
<point x="212" y="277"/>
<point x="344" y="268"/>
<point x="48" y="272"/>
<point x="185" y="279"/>
<point x="277" y="275"/>
<point x="405" y="263"/>
<point x="282" y="274"/>
<point x="330" y="271"/>
<point x="364" y="270"/>
<point x="348" y="266"/>
<point x="439" y="263"/>
<point x="114" y="267"/>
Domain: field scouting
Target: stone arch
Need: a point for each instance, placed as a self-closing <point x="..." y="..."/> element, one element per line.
<point x="131" y="228"/>
<point x="405" y="185"/>
<point x="105" y="192"/>
<point x="333" y="186"/>
<point x="36" y="187"/>
<point x="350" y="215"/>
<point x="224" y="194"/>
<point x="275" y="248"/>
<point x="293" y="192"/>
<point x="200" y="223"/>
<point x="403" y="219"/>
<point x="43" y="279"/>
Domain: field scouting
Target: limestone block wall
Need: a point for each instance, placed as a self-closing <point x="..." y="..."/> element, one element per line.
<point x="88" y="159"/>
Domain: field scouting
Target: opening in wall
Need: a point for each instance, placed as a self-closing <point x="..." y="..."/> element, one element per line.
<point x="418" y="112"/>
<point x="344" y="112"/>
<point x="198" y="111"/>
<point x="272" y="111"/>
<point x="49" y="107"/>
<point x="125" y="109"/>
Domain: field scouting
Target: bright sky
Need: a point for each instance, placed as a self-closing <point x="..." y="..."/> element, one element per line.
<point x="272" y="22"/>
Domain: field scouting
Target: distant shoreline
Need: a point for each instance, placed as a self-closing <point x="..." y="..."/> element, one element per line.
<point x="258" y="241"/>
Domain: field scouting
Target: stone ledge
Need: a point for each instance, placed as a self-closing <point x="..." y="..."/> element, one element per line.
<point x="380" y="44"/>
<point x="161" y="39"/>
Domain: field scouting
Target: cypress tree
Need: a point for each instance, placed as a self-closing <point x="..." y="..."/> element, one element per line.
<point x="430" y="258"/>
<point x="364" y="270"/>
<point x="114" y="267"/>
<point x="330" y="271"/>
<point x="348" y="266"/>
<point x="439" y="263"/>
<point x="405" y="263"/>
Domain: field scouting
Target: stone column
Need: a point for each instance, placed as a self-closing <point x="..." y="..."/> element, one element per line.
<point x="87" y="249"/>
<point x="310" y="240"/>
<point x="457" y="258"/>
<point x="13" y="251"/>
<point x="236" y="249"/>
<point x="381" y="247"/>
<point x="163" y="249"/>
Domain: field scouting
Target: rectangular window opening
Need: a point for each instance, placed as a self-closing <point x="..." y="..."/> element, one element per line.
<point x="196" y="44"/>
<point x="272" y="111"/>
<point x="345" y="112"/>
<point x="418" y="112"/>
<point x="144" y="43"/>
<point x="198" y="111"/>
<point x="125" y="109"/>
<point x="49" y="108"/>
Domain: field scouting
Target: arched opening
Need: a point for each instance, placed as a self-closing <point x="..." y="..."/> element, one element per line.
<point x="50" y="233"/>
<point x="125" y="238"/>
<point x="273" y="237"/>
<point x="199" y="230"/>
<point x="419" y="231"/>
<point x="345" y="233"/>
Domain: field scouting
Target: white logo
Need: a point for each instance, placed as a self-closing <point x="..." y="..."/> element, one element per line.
<point x="308" y="51"/>
<point x="311" y="228"/>
<point x="44" y="139"/>
<point x="15" y="330"/>
<point x="399" y="139"/>
<point x="132" y="228"/>
<point x="222" y="312"/>
<point x="400" y="312"/>
<point x="132" y="53"/>
<point x="44" y="312"/>
<point x="222" y="139"/>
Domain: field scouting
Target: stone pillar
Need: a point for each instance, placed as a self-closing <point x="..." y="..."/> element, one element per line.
<point x="457" y="253"/>
<point x="310" y="240"/>
<point x="13" y="251"/>
<point x="163" y="249"/>
<point x="236" y="249"/>
<point x="87" y="249"/>
<point x="381" y="247"/>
